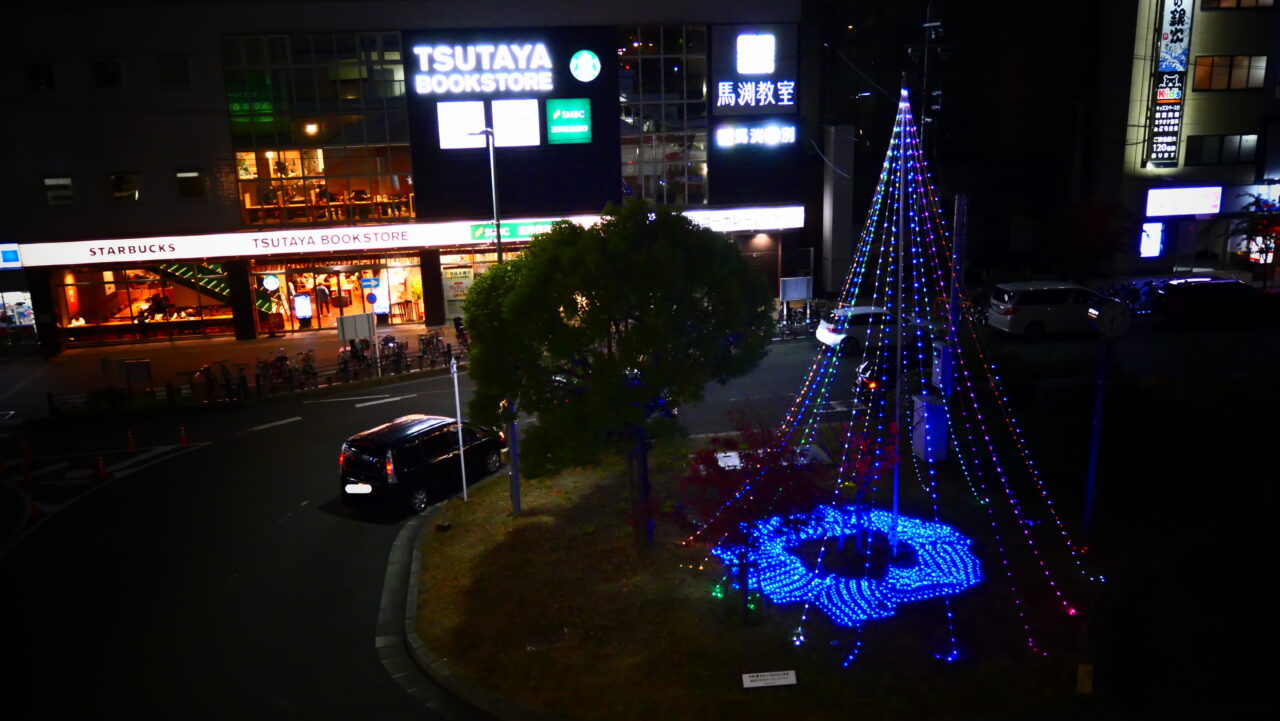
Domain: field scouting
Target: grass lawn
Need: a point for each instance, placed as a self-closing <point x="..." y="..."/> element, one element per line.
<point x="556" y="612"/>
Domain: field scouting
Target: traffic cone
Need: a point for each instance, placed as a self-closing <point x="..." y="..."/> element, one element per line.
<point x="182" y="435"/>
<point x="102" y="469"/>
<point x="33" y="511"/>
<point x="132" y="448"/>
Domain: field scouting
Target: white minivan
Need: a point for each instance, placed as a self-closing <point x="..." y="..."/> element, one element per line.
<point x="1036" y="307"/>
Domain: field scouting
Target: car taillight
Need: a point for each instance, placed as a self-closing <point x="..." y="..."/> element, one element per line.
<point x="391" y="469"/>
<point x="502" y="436"/>
<point x="342" y="459"/>
<point x="1009" y="311"/>
<point x="871" y="385"/>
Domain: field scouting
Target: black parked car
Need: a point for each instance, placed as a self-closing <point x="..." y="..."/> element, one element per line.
<point x="1215" y="301"/>
<point x="413" y="460"/>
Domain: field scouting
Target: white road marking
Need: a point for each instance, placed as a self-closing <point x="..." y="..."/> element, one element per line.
<point x="273" y="424"/>
<point x="300" y="505"/>
<point x="15" y="387"/>
<point x="348" y="398"/>
<point x="384" y="400"/>
<point x="138" y="459"/>
<point x="51" y="469"/>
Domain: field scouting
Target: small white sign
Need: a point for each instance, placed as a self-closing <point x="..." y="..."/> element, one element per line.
<point x="460" y="123"/>
<point x="515" y="123"/>
<point x="769" y="678"/>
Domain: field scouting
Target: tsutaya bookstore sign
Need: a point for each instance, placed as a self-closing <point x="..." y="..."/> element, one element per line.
<point x="482" y="68"/>
<point x="338" y="239"/>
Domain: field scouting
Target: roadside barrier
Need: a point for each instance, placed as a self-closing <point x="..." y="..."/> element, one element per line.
<point x="181" y="392"/>
<point x="182" y="436"/>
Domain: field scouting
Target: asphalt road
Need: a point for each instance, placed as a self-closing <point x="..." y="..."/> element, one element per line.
<point x="221" y="581"/>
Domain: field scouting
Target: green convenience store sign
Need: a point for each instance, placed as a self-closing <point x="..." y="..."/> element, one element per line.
<point x="568" y="121"/>
<point x="510" y="231"/>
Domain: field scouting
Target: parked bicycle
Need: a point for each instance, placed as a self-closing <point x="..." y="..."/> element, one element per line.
<point x="308" y="376"/>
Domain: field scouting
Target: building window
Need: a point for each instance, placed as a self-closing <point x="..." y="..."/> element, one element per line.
<point x="308" y="294"/>
<point x="40" y="76"/>
<point x="57" y="191"/>
<point x="1234" y="4"/>
<point x="662" y="78"/>
<point x="124" y="187"/>
<point x="191" y="185"/>
<point x="320" y="126"/>
<point x="1220" y="149"/>
<point x="1230" y="72"/>
<point x="108" y="73"/>
<point x="175" y="71"/>
<point x="163" y="300"/>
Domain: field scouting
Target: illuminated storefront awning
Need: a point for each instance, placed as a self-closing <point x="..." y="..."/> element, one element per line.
<point x="297" y="241"/>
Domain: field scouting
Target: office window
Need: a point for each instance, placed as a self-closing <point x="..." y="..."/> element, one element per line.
<point x="40" y="76"/>
<point x="1234" y="4"/>
<point x="1230" y="72"/>
<point x="124" y="187"/>
<point x="1220" y="149"/>
<point x="191" y="185"/>
<point x="319" y="127"/>
<point x="175" y="71"/>
<point x="57" y="191"/>
<point x="662" y="78"/>
<point x="108" y="73"/>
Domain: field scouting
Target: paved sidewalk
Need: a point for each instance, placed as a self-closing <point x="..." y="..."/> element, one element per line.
<point x="25" y="382"/>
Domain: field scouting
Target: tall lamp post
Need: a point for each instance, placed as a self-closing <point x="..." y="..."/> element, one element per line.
<point x="493" y="189"/>
<point x="514" y="443"/>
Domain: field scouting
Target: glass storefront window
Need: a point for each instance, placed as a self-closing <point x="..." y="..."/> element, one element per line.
<point x="159" y="301"/>
<point x="301" y="296"/>
<point x="15" y="308"/>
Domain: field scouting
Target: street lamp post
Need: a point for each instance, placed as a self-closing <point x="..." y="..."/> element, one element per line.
<point x="513" y="463"/>
<point x="493" y="189"/>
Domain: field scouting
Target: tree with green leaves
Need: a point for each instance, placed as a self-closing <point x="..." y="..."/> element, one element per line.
<point x="603" y="331"/>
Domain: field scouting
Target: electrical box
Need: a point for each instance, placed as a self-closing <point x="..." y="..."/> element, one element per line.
<point x="929" y="432"/>
<point x="941" y="375"/>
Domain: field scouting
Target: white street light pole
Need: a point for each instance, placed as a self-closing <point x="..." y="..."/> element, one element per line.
<point x="493" y="189"/>
<point x="457" y="404"/>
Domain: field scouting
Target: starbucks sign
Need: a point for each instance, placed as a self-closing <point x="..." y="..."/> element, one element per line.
<point x="584" y="65"/>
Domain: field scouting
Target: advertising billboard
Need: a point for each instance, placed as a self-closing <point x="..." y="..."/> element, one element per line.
<point x="752" y="95"/>
<point x="551" y="102"/>
<point x="1169" y="82"/>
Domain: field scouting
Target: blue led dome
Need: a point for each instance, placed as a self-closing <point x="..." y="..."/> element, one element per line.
<point x="943" y="566"/>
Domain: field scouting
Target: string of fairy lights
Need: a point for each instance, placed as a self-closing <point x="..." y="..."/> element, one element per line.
<point x="901" y="263"/>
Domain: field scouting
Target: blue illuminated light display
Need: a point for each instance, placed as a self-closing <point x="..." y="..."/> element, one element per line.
<point x="943" y="566"/>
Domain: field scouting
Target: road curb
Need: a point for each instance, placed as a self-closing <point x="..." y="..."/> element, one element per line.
<point x="438" y="667"/>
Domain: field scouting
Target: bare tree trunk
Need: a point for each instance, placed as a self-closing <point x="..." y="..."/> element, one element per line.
<point x="513" y="442"/>
<point x="641" y="512"/>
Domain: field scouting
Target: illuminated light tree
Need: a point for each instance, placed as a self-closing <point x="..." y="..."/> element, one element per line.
<point x="902" y="263"/>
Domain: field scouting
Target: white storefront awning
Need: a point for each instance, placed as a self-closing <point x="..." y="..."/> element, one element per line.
<point x="301" y="241"/>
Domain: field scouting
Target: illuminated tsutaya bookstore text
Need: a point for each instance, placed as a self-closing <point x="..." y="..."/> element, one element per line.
<point x="482" y="68"/>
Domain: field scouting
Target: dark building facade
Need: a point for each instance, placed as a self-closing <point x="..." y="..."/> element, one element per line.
<point x="219" y="169"/>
